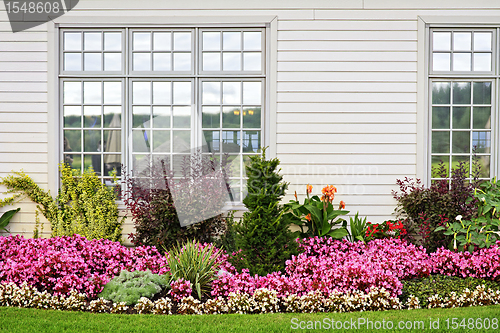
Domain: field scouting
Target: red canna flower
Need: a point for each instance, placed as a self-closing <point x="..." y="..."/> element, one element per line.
<point x="308" y="217"/>
<point x="341" y="205"/>
<point x="329" y="192"/>
<point x="309" y="189"/>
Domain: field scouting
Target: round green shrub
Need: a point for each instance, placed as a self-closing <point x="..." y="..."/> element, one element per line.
<point x="129" y="287"/>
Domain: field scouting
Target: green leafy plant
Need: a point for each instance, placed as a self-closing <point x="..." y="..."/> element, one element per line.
<point x="264" y="235"/>
<point x="129" y="287"/>
<point x="195" y="263"/>
<point x="358" y="228"/>
<point x="317" y="216"/>
<point x="83" y="205"/>
<point x="6" y="217"/>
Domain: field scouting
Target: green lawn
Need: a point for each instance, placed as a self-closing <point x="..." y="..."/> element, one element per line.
<point x="32" y="320"/>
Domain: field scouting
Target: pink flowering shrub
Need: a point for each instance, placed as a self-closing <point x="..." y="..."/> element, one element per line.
<point x="62" y="264"/>
<point x="331" y="265"/>
<point x="484" y="263"/>
<point x="180" y="288"/>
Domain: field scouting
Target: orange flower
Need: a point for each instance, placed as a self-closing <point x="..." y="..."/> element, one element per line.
<point x="329" y="192"/>
<point x="341" y="205"/>
<point x="308" y="217"/>
<point x="309" y="189"/>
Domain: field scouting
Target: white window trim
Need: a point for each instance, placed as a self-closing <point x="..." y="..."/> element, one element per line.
<point x="424" y="24"/>
<point x="55" y="142"/>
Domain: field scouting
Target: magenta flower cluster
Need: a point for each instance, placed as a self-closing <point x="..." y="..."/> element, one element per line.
<point x="483" y="263"/>
<point x="62" y="264"/>
<point x="180" y="288"/>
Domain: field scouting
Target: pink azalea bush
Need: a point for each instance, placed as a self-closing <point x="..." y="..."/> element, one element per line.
<point x="63" y="264"/>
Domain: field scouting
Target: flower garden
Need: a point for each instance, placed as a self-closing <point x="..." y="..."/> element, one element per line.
<point x="444" y="253"/>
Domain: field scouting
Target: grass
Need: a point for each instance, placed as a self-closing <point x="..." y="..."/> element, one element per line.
<point x="33" y="320"/>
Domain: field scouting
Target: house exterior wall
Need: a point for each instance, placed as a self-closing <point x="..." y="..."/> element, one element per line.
<point x="345" y="111"/>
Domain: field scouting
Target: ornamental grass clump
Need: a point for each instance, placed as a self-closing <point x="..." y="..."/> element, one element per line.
<point x="83" y="206"/>
<point x="195" y="263"/>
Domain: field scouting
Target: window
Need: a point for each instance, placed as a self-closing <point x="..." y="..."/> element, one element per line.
<point x="132" y="96"/>
<point x="463" y="85"/>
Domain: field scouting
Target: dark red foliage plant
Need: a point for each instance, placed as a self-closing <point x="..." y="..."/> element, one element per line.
<point x="423" y="209"/>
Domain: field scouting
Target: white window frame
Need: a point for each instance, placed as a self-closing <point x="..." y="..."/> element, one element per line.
<point x="268" y="23"/>
<point x="425" y="74"/>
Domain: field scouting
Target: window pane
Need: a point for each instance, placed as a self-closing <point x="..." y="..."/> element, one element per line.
<point x="211" y="41"/>
<point x="440" y="117"/>
<point x="441" y="41"/>
<point x="441" y="92"/>
<point x="72" y="141"/>
<point x="252" y="41"/>
<point x="483" y="166"/>
<point x="481" y="141"/>
<point x="182" y="61"/>
<point x="92" y="62"/>
<point x="251" y="117"/>
<point x="182" y="141"/>
<point x="211" y="93"/>
<point x="462" y="62"/>
<point x="182" y="41"/>
<point x="112" y="142"/>
<point x="92" y="93"/>
<point x="461" y="142"/>
<point x="230" y="141"/>
<point x="461" y="93"/>
<point x="140" y="140"/>
<point x="456" y="160"/>
<point x="162" y="61"/>
<point x="112" y="116"/>
<point x="112" y="61"/>
<point x="482" y="118"/>
<point x="142" y="62"/>
<point x="161" y="117"/>
<point x="231" y="61"/>
<point x="252" y="93"/>
<point x="112" y="41"/>
<point x="252" y="61"/>
<point x="182" y="93"/>
<point x="231" y="92"/>
<point x="212" y="139"/>
<point x="211" y="61"/>
<point x="72" y="62"/>
<point x="482" y="41"/>
<point x="72" y="116"/>
<point x="231" y="41"/>
<point x="92" y="41"/>
<point x="441" y="62"/>
<point x="72" y="41"/>
<point x="211" y="117"/>
<point x="462" y="41"/>
<point x="251" y="141"/>
<point x="436" y="160"/>
<point x="92" y="116"/>
<point x="482" y="62"/>
<point x="92" y="141"/>
<point x="182" y="116"/>
<point x="142" y="41"/>
<point x="441" y="142"/>
<point x="141" y="117"/>
<point x="231" y="117"/>
<point x="141" y="93"/>
<point x="162" y="92"/>
<point x="461" y="117"/>
<point x="72" y="93"/>
<point x="112" y="92"/>
<point x="161" y="141"/>
<point x="482" y="93"/>
<point x="162" y="41"/>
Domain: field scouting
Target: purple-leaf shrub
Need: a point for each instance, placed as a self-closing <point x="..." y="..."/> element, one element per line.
<point x="62" y="264"/>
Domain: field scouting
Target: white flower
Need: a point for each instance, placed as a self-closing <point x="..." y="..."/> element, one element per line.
<point x="483" y="199"/>
<point x="458" y="218"/>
